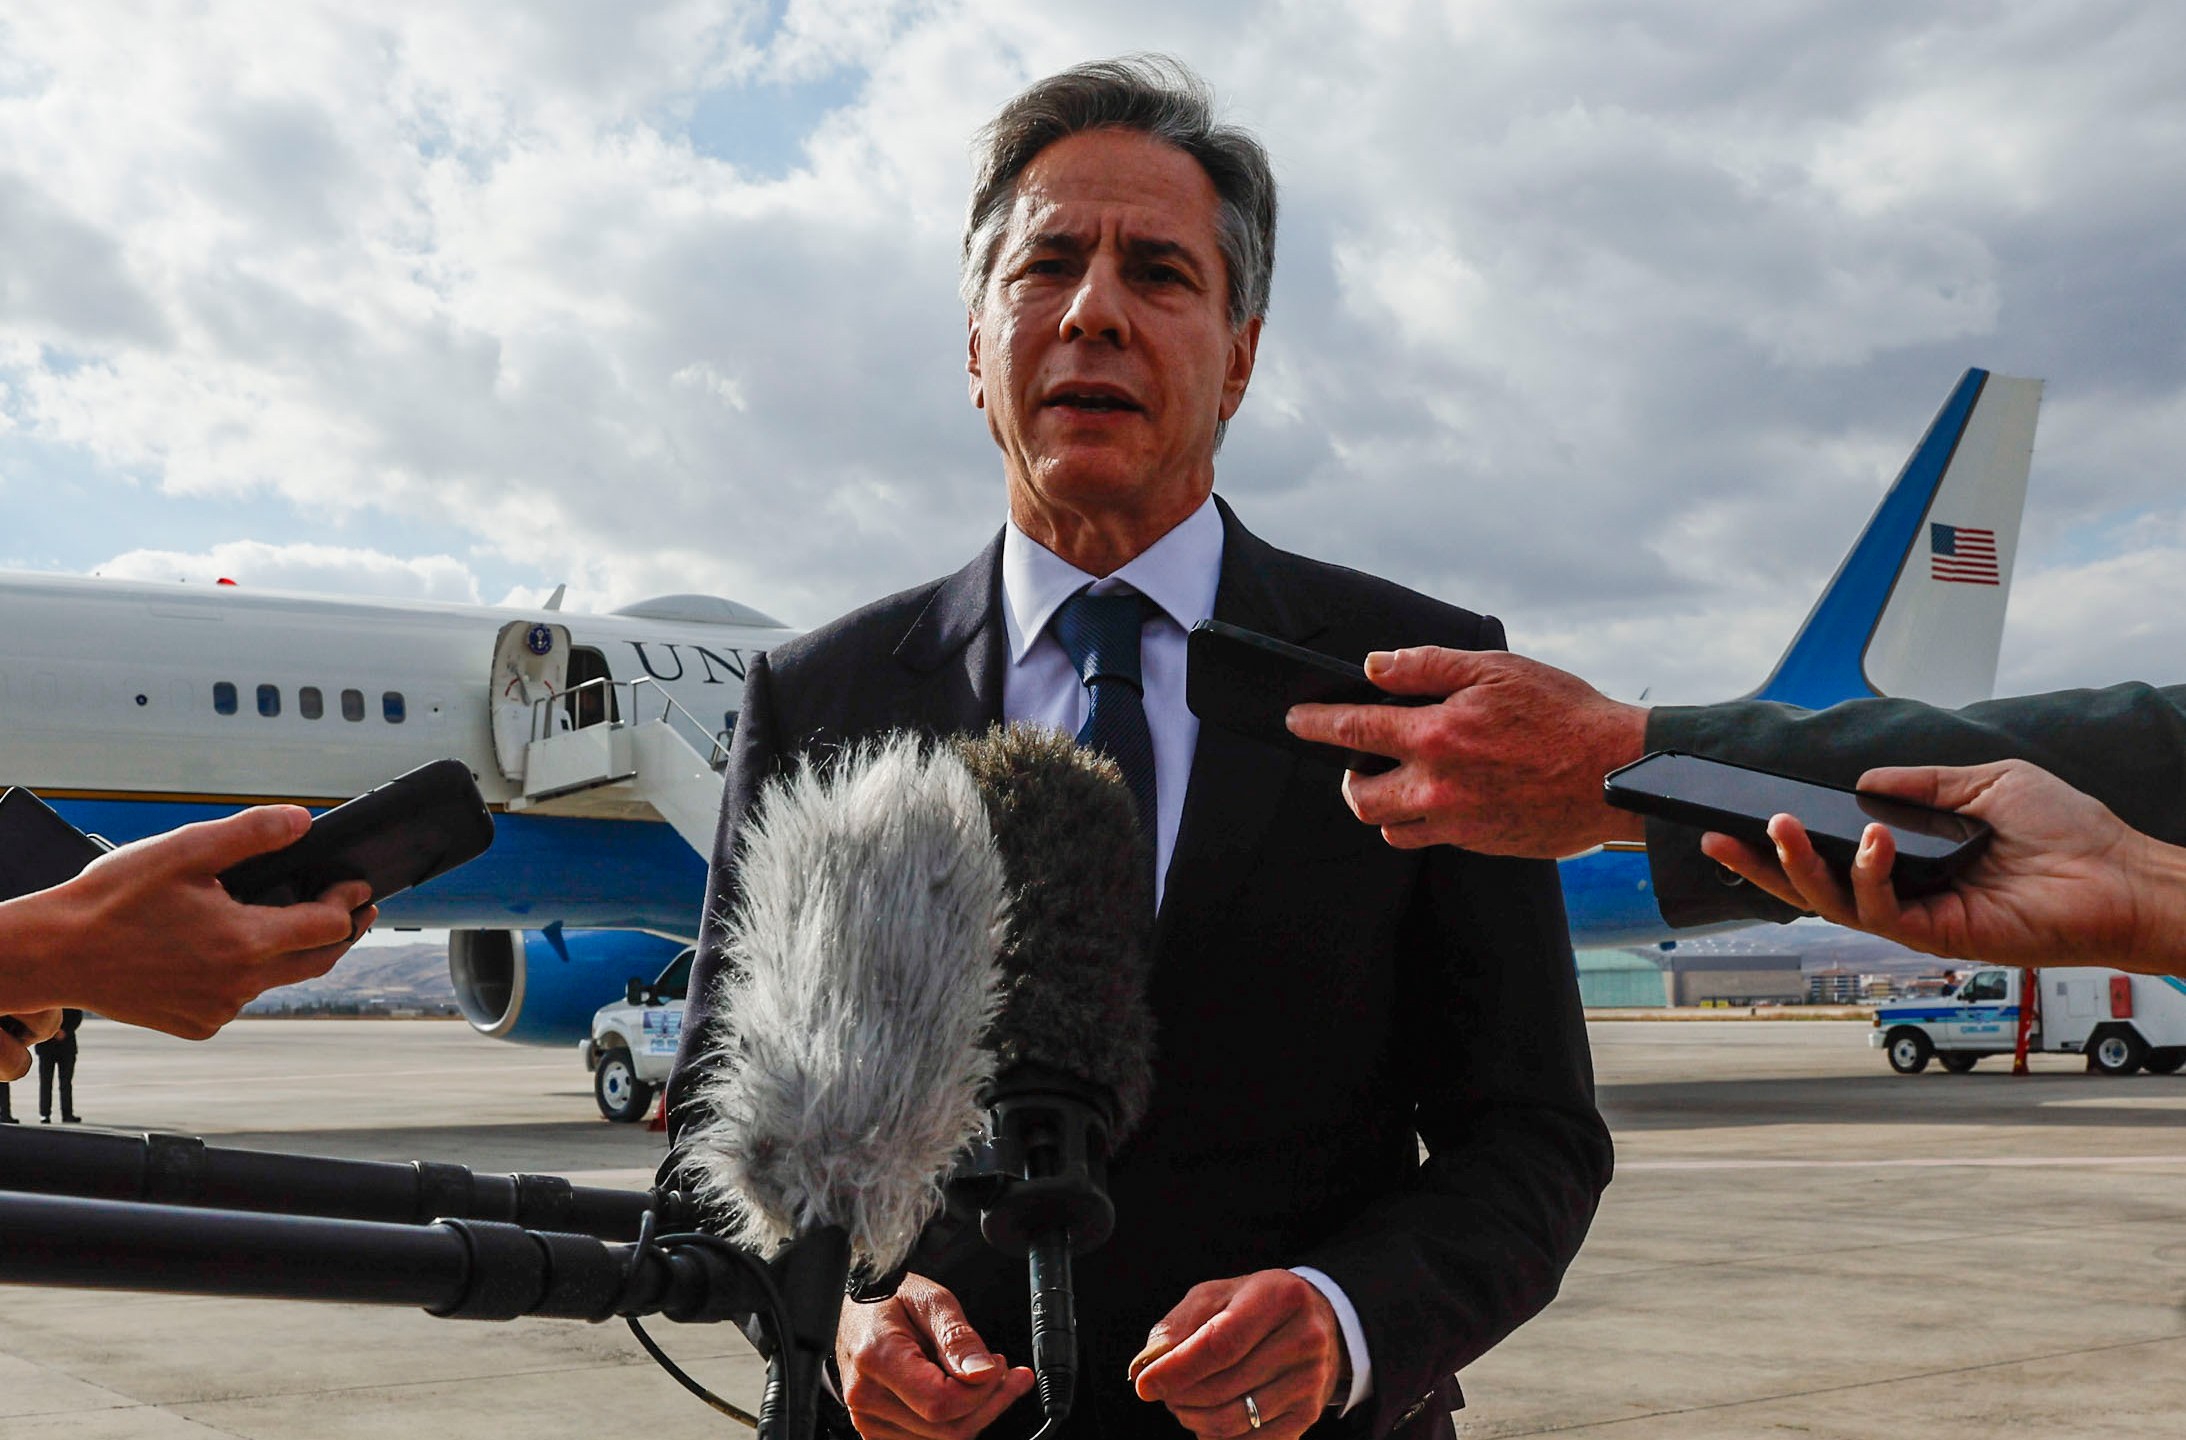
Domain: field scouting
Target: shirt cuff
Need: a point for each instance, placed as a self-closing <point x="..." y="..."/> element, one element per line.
<point x="1354" y="1334"/>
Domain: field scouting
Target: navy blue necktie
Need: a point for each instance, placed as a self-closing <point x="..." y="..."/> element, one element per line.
<point x="1100" y="634"/>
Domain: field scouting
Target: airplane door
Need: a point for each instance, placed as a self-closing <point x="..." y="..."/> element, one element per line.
<point x="530" y="664"/>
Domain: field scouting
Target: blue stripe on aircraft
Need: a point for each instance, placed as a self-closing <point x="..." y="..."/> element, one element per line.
<point x="587" y="874"/>
<point x="1824" y="664"/>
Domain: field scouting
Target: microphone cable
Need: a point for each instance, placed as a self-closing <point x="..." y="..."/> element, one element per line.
<point x="774" y="1315"/>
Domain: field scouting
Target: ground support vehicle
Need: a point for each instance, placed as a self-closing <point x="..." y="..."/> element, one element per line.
<point x="2122" y="1023"/>
<point x="633" y="1042"/>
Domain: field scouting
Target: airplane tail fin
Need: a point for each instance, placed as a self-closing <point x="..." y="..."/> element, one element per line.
<point x="1916" y="609"/>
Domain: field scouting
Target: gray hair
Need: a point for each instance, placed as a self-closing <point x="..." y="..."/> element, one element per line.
<point x="1155" y="95"/>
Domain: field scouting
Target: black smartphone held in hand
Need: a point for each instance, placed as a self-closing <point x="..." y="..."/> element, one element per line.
<point x="1247" y="682"/>
<point x="38" y="849"/>
<point x="1933" y="845"/>
<point x="404" y="833"/>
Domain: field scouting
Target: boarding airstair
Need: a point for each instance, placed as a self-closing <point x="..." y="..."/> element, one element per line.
<point x="615" y="749"/>
<point x="599" y="749"/>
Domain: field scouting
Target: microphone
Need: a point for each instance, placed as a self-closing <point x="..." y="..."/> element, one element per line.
<point x="860" y="981"/>
<point x="1075" y="1042"/>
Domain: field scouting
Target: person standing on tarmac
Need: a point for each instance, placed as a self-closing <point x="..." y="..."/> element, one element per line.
<point x="57" y="1056"/>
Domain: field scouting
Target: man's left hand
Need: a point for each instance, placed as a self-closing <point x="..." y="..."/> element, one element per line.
<point x="1270" y="1335"/>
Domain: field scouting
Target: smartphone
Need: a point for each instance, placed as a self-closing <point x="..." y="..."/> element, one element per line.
<point x="38" y="849"/>
<point x="1247" y="682"/>
<point x="404" y="833"/>
<point x="1933" y="845"/>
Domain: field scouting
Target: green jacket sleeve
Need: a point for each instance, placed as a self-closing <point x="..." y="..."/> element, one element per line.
<point x="2125" y="745"/>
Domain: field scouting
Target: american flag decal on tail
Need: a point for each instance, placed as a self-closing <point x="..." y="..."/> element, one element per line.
<point x="1962" y="555"/>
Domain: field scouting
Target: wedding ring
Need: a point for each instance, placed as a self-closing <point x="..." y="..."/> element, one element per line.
<point x="1252" y="1412"/>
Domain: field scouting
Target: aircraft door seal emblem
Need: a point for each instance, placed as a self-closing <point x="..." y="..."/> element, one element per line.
<point x="539" y="639"/>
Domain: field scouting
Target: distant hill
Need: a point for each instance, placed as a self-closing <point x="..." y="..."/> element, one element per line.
<point x="371" y="977"/>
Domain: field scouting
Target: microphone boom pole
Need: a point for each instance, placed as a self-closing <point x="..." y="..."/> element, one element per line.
<point x="183" y="1170"/>
<point x="457" y="1269"/>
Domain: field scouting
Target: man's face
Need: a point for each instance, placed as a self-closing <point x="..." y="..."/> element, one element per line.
<point x="1103" y="354"/>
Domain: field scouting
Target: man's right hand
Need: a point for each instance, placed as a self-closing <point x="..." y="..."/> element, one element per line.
<point x="147" y="936"/>
<point x="914" y="1369"/>
<point x="1510" y="763"/>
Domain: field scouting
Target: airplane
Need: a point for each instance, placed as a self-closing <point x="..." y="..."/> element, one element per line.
<point x="598" y="739"/>
<point x="136" y="707"/>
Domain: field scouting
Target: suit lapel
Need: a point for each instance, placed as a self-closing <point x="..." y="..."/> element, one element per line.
<point x="955" y="651"/>
<point x="1237" y="785"/>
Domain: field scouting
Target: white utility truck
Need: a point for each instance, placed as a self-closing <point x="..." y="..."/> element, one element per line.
<point x="633" y="1042"/>
<point x="2121" y="1022"/>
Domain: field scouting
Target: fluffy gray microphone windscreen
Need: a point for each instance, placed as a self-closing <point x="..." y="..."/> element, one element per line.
<point x="1074" y="963"/>
<point x="860" y="988"/>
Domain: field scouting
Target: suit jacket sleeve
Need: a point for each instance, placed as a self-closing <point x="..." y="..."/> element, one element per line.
<point x="2125" y="745"/>
<point x="754" y="758"/>
<point x="1504" y="1102"/>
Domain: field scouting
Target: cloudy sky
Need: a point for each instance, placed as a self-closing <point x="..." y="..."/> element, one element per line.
<point x="1613" y="319"/>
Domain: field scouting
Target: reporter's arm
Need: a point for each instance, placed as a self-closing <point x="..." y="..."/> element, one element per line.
<point x="146" y="935"/>
<point x="2124" y="745"/>
<point x="2064" y="881"/>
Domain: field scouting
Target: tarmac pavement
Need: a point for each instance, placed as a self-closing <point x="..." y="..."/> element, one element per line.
<point x="1798" y="1242"/>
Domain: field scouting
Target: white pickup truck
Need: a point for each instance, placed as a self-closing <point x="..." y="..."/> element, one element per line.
<point x="633" y="1042"/>
<point x="2121" y="1022"/>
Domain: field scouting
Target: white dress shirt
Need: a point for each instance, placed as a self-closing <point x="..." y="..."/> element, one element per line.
<point x="1178" y="573"/>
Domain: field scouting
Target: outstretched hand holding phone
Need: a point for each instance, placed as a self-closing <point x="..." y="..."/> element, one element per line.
<point x="147" y="935"/>
<point x="2064" y="881"/>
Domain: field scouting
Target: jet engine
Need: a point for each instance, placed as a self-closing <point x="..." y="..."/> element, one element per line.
<point x="540" y="987"/>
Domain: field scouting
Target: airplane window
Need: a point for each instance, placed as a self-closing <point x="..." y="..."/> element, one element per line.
<point x="224" y="698"/>
<point x="309" y="703"/>
<point x="269" y="700"/>
<point x="391" y="706"/>
<point x="352" y="704"/>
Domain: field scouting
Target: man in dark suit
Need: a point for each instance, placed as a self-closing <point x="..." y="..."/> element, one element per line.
<point x="57" y="1060"/>
<point x="1323" y="1003"/>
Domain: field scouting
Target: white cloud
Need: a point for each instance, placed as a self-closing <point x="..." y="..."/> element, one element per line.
<point x="2101" y="620"/>
<point x="1614" y="321"/>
